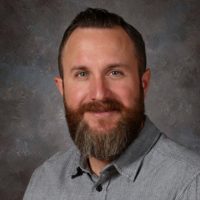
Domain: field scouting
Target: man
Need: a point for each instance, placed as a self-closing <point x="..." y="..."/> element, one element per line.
<point x="118" y="152"/>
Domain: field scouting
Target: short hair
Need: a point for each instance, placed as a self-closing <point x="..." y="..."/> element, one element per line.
<point x="101" y="18"/>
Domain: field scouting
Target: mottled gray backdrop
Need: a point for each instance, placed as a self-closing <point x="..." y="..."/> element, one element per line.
<point x="32" y="124"/>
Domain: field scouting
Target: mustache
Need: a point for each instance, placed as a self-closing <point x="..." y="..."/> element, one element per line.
<point x="101" y="106"/>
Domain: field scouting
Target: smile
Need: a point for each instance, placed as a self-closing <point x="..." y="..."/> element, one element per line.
<point x="103" y="114"/>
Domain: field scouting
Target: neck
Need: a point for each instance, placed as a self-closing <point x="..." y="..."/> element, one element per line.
<point x="96" y="165"/>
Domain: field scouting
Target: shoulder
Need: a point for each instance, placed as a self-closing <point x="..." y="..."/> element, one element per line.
<point x="172" y="165"/>
<point x="60" y="164"/>
<point x="178" y="152"/>
<point x="180" y="159"/>
<point x="184" y="166"/>
<point x="47" y="180"/>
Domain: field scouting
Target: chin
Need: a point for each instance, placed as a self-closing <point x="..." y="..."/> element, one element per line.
<point x="102" y="126"/>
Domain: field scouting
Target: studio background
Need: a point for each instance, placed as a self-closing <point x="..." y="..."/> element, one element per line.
<point x="32" y="123"/>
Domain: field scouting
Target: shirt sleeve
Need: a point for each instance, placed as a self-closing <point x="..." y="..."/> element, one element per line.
<point x="191" y="191"/>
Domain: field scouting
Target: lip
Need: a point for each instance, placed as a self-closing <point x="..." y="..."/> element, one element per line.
<point x="102" y="114"/>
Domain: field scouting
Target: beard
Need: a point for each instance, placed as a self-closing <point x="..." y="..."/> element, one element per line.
<point x="108" y="144"/>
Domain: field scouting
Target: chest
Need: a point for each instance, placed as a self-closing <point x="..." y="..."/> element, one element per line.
<point x="119" y="187"/>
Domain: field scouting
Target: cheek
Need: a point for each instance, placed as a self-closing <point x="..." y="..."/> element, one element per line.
<point x="74" y="95"/>
<point x="126" y="93"/>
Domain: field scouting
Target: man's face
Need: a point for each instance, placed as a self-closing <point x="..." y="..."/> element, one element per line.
<point x="102" y="88"/>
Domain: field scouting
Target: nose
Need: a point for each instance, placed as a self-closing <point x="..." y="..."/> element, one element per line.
<point x="99" y="89"/>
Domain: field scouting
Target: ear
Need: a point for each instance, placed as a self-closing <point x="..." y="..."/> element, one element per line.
<point x="146" y="80"/>
<point x="59" y="83"/>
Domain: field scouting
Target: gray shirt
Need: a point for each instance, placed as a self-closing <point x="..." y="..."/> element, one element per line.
<point x="153" y="167"/>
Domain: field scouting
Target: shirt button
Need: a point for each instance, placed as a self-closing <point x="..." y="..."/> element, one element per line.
<point x="99" y="188"/>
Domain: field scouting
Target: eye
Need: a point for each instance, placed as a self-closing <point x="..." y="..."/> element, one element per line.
<point x="81" y="74"/>
<point x="116" y="74"/>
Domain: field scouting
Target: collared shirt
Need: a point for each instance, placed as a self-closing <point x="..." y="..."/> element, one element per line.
<point x="153" y="167"/>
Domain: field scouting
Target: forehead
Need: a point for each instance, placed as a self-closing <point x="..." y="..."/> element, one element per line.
<point x="98" y="43"/>
<point x="114" y="34"/>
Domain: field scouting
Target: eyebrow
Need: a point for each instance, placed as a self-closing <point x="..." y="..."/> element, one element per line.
<point x="108" y="67"/>
<point x="116" y="65"/>
<point x="81" y="67"/>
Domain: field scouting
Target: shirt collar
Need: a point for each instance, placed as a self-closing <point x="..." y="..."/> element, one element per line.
<point x="129" y="163"/>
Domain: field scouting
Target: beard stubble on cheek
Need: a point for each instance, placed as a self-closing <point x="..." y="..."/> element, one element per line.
<point x="107" y="145"/>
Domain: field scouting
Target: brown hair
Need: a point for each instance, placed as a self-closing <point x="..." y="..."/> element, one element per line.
<point x="100" y="18"/>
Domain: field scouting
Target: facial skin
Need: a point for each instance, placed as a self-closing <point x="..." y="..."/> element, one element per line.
<point x="100" y="64"/>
